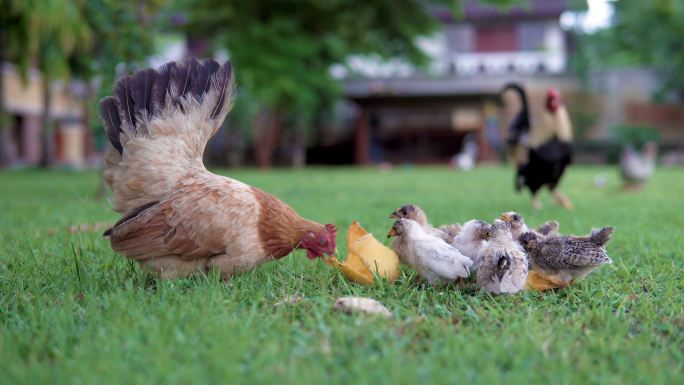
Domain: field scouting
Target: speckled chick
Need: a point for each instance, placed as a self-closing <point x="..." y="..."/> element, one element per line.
<point x="415" y="213"/>
<point x="502" y="263"/>
<point x="472" y="238"/>
<point x="434" y="259"/>
<point x="564" y="259"/>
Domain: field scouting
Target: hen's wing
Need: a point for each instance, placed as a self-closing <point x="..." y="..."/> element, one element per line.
<point x="443" y="259"/>
<point x="195" y="222"/>
<point x="158" y="122"/>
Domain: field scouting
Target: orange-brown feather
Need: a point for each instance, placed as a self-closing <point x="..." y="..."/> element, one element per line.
<point x="280" y="228"/>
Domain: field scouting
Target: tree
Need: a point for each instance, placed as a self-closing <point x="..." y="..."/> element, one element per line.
<point x="283" y="50"/>
<point x="61" y="29"/>
<point x="17" y="45"/>
<point x="642" y="33"/>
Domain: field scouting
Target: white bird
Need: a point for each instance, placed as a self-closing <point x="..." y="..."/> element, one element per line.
<point x="434" y="259"/>
<point x="472" y="238"/>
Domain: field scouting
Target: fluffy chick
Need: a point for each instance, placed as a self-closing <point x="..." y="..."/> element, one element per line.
<point x="519" y="227"/>
<point x="415" y="213"/>
<point x="472" y="237"/>
<point x="433" y="258"/>
<point x="502" y="263"/>
<point x="564" y="259"/>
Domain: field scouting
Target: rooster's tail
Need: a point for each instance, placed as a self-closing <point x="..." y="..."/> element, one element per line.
<point x="158" y="122"/>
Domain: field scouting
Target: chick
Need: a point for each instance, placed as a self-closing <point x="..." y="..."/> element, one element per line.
<point x="472" y="238"/>
<point x="433" y="258"/>
<point x="502" y="263"/>
<point x="519" y="227"/>
<point x="451" y="231"/>
<point x="417" y="214"/>
<point x="564" y="259"/>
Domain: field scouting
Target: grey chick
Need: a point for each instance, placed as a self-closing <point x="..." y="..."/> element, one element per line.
<point x="433" y="258"/>
<point x="519" y="227"/>
<point x="502" y="263"/>
<point x="415" y="213"/>
<point x="564" y="259"/>
<point x="472" y="237"/>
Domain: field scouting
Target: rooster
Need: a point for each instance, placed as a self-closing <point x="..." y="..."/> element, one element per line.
<point x="179" y="218"/>
<point x="637" y="168"/>
<point x="548" y="144"/>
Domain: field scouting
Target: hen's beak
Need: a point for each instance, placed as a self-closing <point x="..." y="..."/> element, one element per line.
<point x="392" y="233"/>
<point x="505" y="217"/>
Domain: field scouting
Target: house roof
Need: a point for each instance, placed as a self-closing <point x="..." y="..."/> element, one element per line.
<point x="445" y="87"/>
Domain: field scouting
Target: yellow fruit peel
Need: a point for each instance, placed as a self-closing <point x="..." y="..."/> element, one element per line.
<point x="367" y="256"/>
<point x="541" y="282"/>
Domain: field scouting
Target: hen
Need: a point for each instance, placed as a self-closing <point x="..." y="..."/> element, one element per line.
<point x="434" y="259"/>
<point x="637" y="168"/>
<point x="548" y="143"/>
<point x="178" y="217"/>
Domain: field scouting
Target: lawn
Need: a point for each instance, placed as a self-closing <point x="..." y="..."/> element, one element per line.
<point x="72" y="311"/>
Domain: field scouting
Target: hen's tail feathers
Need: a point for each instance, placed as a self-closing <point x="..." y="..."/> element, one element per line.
<point x="601" y="237"/>
<point x="198" y="90"/>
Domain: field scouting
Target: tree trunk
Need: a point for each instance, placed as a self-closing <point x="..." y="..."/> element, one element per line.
<point x="4" y="118"/>
<point x="47" y="158"/>
<point x="266" y="134"/>
<point x="299" y="149"/>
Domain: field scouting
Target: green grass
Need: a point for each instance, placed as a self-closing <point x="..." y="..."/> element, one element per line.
<point x="71" y="311"/>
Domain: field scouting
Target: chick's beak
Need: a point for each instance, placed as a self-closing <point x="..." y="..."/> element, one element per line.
<point x="505" y="217"/>
<point x="392" y="233"/>
<point x="395" y="214"/>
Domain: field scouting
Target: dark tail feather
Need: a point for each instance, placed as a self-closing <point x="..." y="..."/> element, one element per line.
<point x="181" y="78"/>
<point x="149" y="92"/>
<point x="141" y="92"/>
<point x="112" y="122"/>
<point x="124" y="97"/>
<point x="224" y="78"/>
<point x="160" y="89"/>
<point x="200" y="84"/>
<point x="601" y="237"/>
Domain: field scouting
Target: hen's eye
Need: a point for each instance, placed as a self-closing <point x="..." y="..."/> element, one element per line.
<point x="321" y="242"/>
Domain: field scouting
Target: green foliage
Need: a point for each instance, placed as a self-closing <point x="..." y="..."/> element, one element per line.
<point x="72" y="311"/>
<point x="283" y="50"/>
<point x="644" y="32"/>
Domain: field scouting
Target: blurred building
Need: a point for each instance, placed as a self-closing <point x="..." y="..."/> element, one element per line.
<point x="410" y="115"/>
<point x="24" y="104"/>
<point x="397" y="113"/>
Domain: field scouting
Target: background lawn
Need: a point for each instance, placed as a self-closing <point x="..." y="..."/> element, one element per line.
<point x="71" y="311"/>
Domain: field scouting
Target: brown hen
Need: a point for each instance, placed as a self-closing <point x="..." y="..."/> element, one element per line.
<point x="179" y="218"/>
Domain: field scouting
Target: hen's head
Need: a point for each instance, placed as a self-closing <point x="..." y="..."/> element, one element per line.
<point x="553" y="100"/>
<point x="320" y="243"/>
